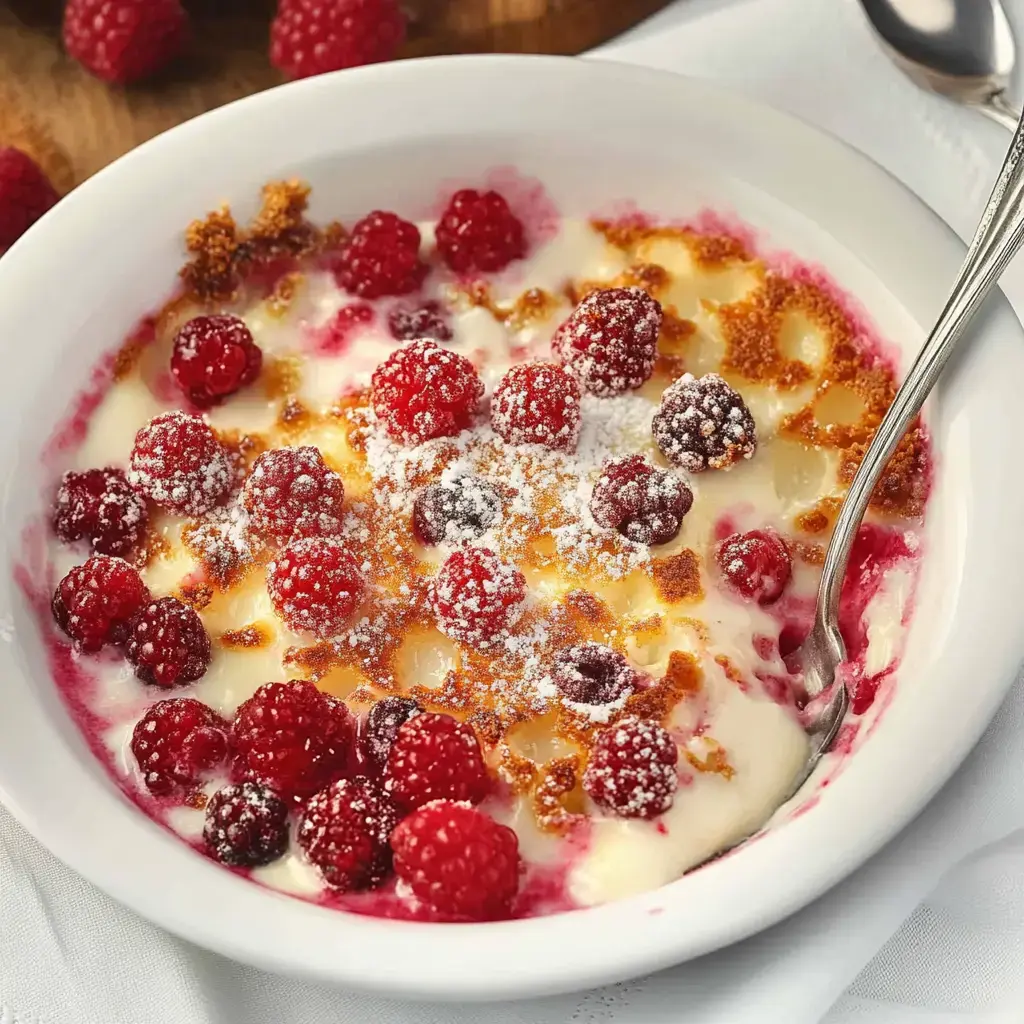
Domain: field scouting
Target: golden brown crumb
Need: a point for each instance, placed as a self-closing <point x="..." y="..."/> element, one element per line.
<point x="677" y="578"/>
<point x="819" y="518"/>
<point x="550" y="799"/>
<point x="248" y="637"/>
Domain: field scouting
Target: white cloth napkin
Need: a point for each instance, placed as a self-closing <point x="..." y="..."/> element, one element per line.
<point x="929" y="932"/>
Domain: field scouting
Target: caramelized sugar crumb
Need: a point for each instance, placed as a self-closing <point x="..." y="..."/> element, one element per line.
<point x="135" y="344"/>
<point x="196" y="593"/>
<point x="682" y="679"/>
<point x="715" y="760"/>
<point x="552" y="797"/>
<point x="903" y="488"/>
<point x="677" y="578"/>
<point x="819" y="518"/>
<point x="248" y="637"/>
<point x="812" y="554"/>
<point x="285" y="289"/>
<point x="212" y="274"/>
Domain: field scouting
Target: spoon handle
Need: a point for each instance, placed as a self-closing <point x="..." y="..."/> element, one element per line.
<point x="996" y="241"/>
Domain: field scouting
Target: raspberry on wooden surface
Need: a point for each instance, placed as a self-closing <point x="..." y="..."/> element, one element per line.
<point x="455" y="513"/>
<point x="246" y="825"/>
<point x="458" y="861"/>
<point x="478" y="233"/>
<point x="409" y="323"/>
<point x="381" y="257"/>
<point x="94" y="603"/>
<point x="383" y="721"/>
<point x="213" y="357"/>
<point x="610" y="340"/>
<point x="643" y="503"/>
<point x="537" y="403"/>
<point x="25" y="194"/>
<point x="757" y="564"/>
<point x="168" y="643"/>
<point x="591" y="673"/>
<point x="100" y="507"/>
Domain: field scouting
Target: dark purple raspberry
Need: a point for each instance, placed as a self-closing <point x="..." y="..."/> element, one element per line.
<point x="645" y="504"/>
<point x="426" y="321"/>
<point x="455" y="513"/>
<point x="591" y="673"/>
<point x="386" y="717"/>
<point x="168" y="643"/>
<point x="246" y="825"/>
<point x="703" y="424"/>
<point x="100" y="507"/>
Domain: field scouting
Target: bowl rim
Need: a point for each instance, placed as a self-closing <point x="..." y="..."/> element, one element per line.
<point x="522" y="957"/>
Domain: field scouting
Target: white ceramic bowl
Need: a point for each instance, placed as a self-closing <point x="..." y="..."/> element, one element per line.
<point x="594" y="133"/>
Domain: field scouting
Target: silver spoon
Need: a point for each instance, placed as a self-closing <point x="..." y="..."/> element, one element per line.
<point x="962" y="49"/>
<point x="997" y="240"/>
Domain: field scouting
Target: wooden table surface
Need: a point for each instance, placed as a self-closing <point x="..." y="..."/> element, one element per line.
<point x="75" y="124"/>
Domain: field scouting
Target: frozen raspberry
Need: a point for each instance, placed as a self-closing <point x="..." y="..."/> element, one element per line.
<point x="422" y="391"/>
<point x="703" y="424"/>
<point x="311" y="37"/>
<point x="344" y="830"/>
<point x="381" y="257"/>
<point x="386" y="717"/>
<point x="458" y="861"/>
<point x="644" y="504"/>
<point x="94" y="603"/>
<point x="177" y="743"/>
<point x="435" y="757"/>
<point x="455" y="513"/>
<point x="292" y="737"/>
<point x="537" y="403"/>
<point x="213" y="357"/>
<point x="122" y="41"/>
<point x="25" y="195"/>
<point x="426" y="321"/>
<point x="755" y="564"/>
<point x="632" y="769"/>
<point x="591" y="673"/>
<point x="477" y="596"/>
<point x="291" y="492"/>
<point x="478" y="233"/>
<point x="100" y="507"/>
<point x="246" y="825"/>
<point x="168" y="643"/>
<point x="609" y="340"/>
<point x="315" y="585"/>
<point x="180" y="465"/>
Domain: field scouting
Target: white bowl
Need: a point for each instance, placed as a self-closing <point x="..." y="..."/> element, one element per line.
<point x="594" y="133"/>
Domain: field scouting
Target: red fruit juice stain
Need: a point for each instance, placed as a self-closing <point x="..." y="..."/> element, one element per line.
<point x="337" y="335"/>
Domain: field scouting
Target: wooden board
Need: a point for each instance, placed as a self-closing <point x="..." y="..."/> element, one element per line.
<point x="92" y="123"/>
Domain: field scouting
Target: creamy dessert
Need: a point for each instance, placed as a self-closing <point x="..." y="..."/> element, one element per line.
<point x="454" y="571"/>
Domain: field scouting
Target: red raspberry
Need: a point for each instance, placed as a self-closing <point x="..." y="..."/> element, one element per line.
<point x="426" y="321"/>
<point x="632" y="769"/>
<point x="477" y="596"/>
<point x="315" y="585"/>
<point x="100" y="507"/>
<point x="755" y="564"/>
<point x="457" y="512"/>
<point x="644" y="504"/>
<point x="168" y="643"/>
<point x="179" y="464"/>
<point x="25" y="195"/>
<point x="177" y="742"/>
<point x="94" y="603"/>
<point x="458" y="861"/>
<point x="292" y="492"/>
<point x="386" y="717"/>
<point x="423" y="391"/>
<point x="122" y="41"/>
<point x="311" y="37"/>
<point x="246" y="825"/>
<point x="435" y="757"/>
<point x="590" y="673"/>
<point x="478" y="233"/>
<point x="213" y="357"/>
<point x="344" y="830"/>
<point x="537" y="403"/>
<point x="609" y="340"/>
<point x="381" y="257"/>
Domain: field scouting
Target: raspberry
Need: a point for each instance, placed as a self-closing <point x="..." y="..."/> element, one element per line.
<point x="644" y="504"/>
<point x="537" y="403"/>
<point x="213" y="357"/>
<point x="632" y="769"/>
<point x="435" y="757"/>
<point x="180" y="465"/>
<point x="246" y="825"/>
<point x="25" y="195"/>
<point x="609" y="340"/>
<point x="291" y="492"/>
<point x="177" y="742"/>
<point x="426" y="321"/>
<point x="100" y="507"/>
<point x="755" y="564"/>
<point x="386" y="717"/>
<point x="455" y="513"/>
<point x="344" y="830"/>
<point x="291" y="737"/>
<point x="94" y="603"/>
<point x="168" y="643"/>
<point x="122" y="41"/>
<point x="311" y="37"/>
<point x="591" y="673"/>
<point x="315" y="585"/>
<point x="703" y="424"/>
<point x="381" y="257"/>
<point x="477" y="596"/>
<point x="478" y="233"/>
<point x="458" y="861"/>
<point x="423" y="391"/>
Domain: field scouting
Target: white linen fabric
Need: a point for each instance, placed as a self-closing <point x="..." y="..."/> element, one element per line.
<point x="931" y="931"/>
